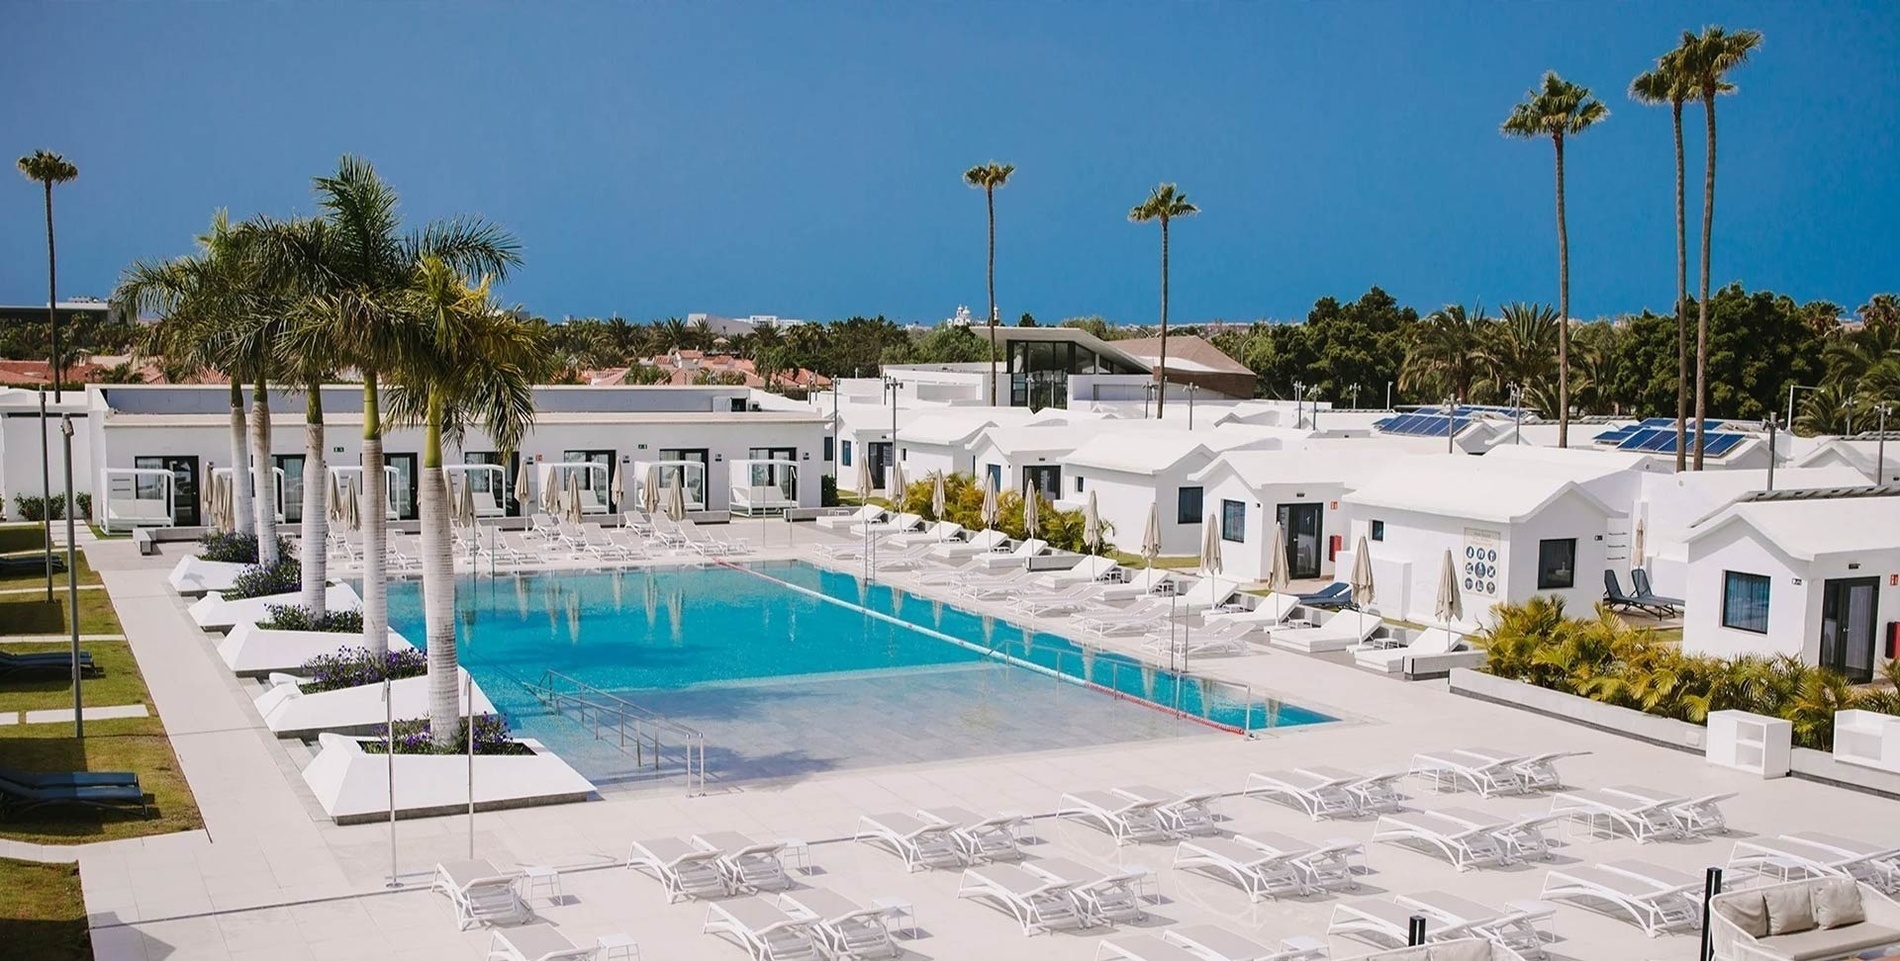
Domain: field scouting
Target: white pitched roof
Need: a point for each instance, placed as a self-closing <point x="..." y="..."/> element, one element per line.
<point x="1807" y="529"/>
<point x="1469" y="487"/>
<point x="1351" y="466"/>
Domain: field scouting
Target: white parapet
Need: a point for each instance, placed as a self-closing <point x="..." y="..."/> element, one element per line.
<point x="195" y="575"/>
<point x="1867" y="738"/>
<point x="252" y="651"/>
<point x="354" y="786"/>
<point x="213" y="613"/>
<point x="289" y="712"/>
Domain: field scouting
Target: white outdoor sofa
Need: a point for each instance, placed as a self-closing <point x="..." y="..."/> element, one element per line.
<point x="1819" y="919"/>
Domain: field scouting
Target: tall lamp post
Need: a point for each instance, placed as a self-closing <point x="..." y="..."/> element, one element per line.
<point x="1770" y="424"/>
<point x="1191" y="389"/>
<point x="1880" y="447"/>
<point x="1299" y="404"/>
<point x="72" y="573"/>
<point x="1517" y="414"/>
<point x="892" y="384"/>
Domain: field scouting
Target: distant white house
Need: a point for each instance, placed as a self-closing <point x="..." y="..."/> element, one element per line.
<point x="1669" y="505"/>
<point x="1297" y="490"/>
<point x="1029" y="457"/>
<point x="1802" y="573"/>
<point x="1131" y="470"/>
<point x="1859" y="453"/>
<point x="1512" y="531"/>
<point x="941" y="440"/>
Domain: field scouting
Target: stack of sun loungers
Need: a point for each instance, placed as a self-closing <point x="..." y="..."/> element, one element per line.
<point x="1451" y="917"/>
<point x="844" y="928"/>
<point x="1328" y="792"/>
<point x="1656" y="899"/>
<point x="481" y="893"/>
<point x="1271" y="865"/>
<point x="1037" y="903"/>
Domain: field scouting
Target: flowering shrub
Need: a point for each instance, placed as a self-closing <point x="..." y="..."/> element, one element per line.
<point x="356" y="666"/>
<point x="235" y="548"/>
<point x="293" y="617"/>
<point x="412" y="737"/>
<point x="283" y="577"/>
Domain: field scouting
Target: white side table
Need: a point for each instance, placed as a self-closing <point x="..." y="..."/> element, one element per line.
<point x="618" y="946"/>
<point x="540" y="875"/>
<point x="896" y="909"/>
<point x="798" y="851"/>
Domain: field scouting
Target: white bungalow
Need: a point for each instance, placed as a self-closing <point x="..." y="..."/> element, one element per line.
<point x="1513" y="531"/>
<point x="1802" y="573"/>
<point x="1029" y="457"/>
<point x="1858" y="453"/>
<point x="939" y="440"/>
<point x="1669" y="505"/>
<point x="1131" y="470"/>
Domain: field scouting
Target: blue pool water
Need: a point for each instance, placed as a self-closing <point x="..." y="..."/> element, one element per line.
<point x="789" y="668"/>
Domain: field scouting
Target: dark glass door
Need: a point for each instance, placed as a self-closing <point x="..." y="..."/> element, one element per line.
<point x="1044" y="479"/>
<point x="292" y="466"/>
<point x="877" y="457"/>
<point x="1848" y="609"/>
<point x="594" y="482"/>
<point x="402" y="489"/>
<point x="692" y="483"/>
<point x="1301" y="522"/>
<point x="184" y="485"/>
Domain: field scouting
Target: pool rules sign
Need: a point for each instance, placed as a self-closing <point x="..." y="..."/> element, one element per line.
<point x="1481" y="562"/>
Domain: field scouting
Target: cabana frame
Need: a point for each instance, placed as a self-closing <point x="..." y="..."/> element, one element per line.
<point x="353" y="474"/>
<point x="278" y="495"/>
<point x="138" y="497"/>
<point x="596" y="481"/>
<point x="763" y="486"/>
<point x="692" y="475"/>
<point x="488" y="484"/>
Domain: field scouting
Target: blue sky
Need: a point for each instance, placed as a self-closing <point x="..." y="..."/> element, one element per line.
<point x="804" y="159"/>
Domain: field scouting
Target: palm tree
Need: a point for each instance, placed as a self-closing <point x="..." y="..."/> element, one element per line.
<point x="1521" y="349"/>
<point x="1705" y="61"/>
<point x="49" y="168"/>
<point x="468" y="362"/>
<point x="1668" y="84"/>
<point x="369" y="268"/>
<point x="987" y="178"/>
<point x="1164" y="203"/>
<point x="1445" y="353"/>
<point x="1558" y="109"/>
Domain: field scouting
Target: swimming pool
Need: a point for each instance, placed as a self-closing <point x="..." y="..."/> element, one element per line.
<point x="789" y="668"/>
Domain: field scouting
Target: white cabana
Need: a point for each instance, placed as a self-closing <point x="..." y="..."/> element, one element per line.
<point x="352" y="475"/>
<point x="137" y="497"/>
<point x="486" y="485"/>
<point x="590" y="478"/>
<point x="277" y="495"/>
<point x="763" y="486"/>
<point x="689" y="474"/>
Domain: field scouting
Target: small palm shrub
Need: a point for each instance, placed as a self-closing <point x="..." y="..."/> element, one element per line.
<point x="283" y="577"/>
<point x="295" y="617"/>
<point x="1604" y="659"/>
<point x="963" y="504"/>
<point x="357" y="666"/>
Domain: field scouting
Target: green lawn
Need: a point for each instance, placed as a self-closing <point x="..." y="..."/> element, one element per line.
<point x="118" y="684"/>
<point x="37" y="576"/>
<point x="30" y="614"/>
<point x="43" y="915"/>
<point x="21" y="537"/>
<point x="1125" y="559"/>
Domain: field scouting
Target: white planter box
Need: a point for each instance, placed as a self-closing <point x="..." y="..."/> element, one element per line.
<point x="1867" y="738"/>
<point x="353" y="786"/>
<point x="195" y="575"/>
<point x="289" y="712"/>
<point x="213" y="613"/>
<point x="1750" y="742"/>
<point x="251" y="651"/>
<point x="1580" y="710"/>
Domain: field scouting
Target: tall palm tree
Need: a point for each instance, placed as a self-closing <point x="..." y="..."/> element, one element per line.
<point x="360" y="320"/>
<point x="1521" y="349"/>
<point x="468" y="363"/>
<point x="988" y="178"/>
<point x="1706" y="61"/>
<point x="48" y="169"/>
<point x="1445" y="354"/>
<point x="1669" y="84"/>
<point x="1558" y="109"/>
<point x="1164" y="204"/>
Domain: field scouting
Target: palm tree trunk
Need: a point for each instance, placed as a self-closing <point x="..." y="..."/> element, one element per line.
<point x="989" y="197"/>
<point x="375" y="524"/>
<point x="52" y="293"/>
<point x="263" y="477"/>
<point x="1702" y="305"/>
<point x="242" y="520"/>
<point x="1682" y="301"/>
<point x="1161" y="369"/>
<point x="438" y="585"/>
<point x="1563" y="307"/>
<point x="315" y="547"/>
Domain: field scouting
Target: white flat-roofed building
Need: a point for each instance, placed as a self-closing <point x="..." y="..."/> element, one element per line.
<point x="1133" y="467"/>
<point x="1809" y="574"/>
<point x="186" y="429"/>
<point x="20" y="444"/>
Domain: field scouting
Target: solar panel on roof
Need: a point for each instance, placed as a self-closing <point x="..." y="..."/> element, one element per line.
<point x="1657" y="440"/>
<point x="1422" y="425"/>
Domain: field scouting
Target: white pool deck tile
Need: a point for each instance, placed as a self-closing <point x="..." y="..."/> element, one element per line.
<point x="269" y="877"/>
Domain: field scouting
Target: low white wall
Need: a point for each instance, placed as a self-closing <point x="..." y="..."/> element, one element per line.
<point x="1661" y="731"/>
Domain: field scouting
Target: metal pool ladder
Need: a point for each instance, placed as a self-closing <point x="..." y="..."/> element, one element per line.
<point x="611" y="716"/>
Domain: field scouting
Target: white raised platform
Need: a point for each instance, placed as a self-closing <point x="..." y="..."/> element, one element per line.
<point x="213" y="613"/>
<point x="252" y="651"/>
<point x="195" y="575"/>
<point x="1867" y="738"/>
<point x="289" y="712"/>
<point x="353" y="786"/>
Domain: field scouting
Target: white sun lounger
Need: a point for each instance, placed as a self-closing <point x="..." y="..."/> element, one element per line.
<point x="1515" y="930"/>
<point x="747" y="864"/>
<point x="920" y="843"/>
<point x="1215" y="639"/>
<point x="1451" y="770"/>
<point x="1089" y="570"/>
<point x="867" y="514"/>
<point x="1015" y="558"/>
<point x="979" y="544"/>
<point x="1325" y="866"/>
<point x="1791" y="859"/>
<point x="1213" y="943"/>
<point x="1657" y="899"/>
<point x="763" y="929"/>
<point x="1341" y="631"/>
<point x="685" y="869"/>
<point x="1391" y="659"/>
<point x="1320" y="796"/>
<point x="935" y="532"/>
<point x="1261" y="874"/>
<point x="900" y="559"/>
<point x="979" y="838"/>
<point x="1537" y="771"/>
<point x="536" y="942"/>
<point x="894" y="524"/>
<point x="1142" y="947"/>
<point x="1882" y="862"/>
<point x="1183" y="812"/>
<point x="1697" y="815"/>
<point x="1127" y="821"/>
<point x="1141" y="583"/>
<point x="1046" y="601"/>
<point x="1273" y="610"/>
<point x="1136" y="618"/>
<point x="1463" y="845"/>
<point x="1038" y="905"/>
<point x="846" y="928"/>
<point x="1106" y="897"/>
<point x="1372" y="793"/>
<point x="1606" y="813"/>
<point x="1522" y="837"/>
<point x="1381" y="922"/>
<point x="481" y="893"/>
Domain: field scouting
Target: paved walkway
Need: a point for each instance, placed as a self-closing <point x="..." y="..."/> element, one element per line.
<point x="270" y="878"/>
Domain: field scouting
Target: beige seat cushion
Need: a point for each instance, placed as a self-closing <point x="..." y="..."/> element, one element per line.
<point x="1465" y="951"/>
<point x="1745" y="910"/>
<point x="1836" y="902"/>
<point x="1790" y="909"/>
<point x="1819" y="943"/>
<point x="1400" y="954"/>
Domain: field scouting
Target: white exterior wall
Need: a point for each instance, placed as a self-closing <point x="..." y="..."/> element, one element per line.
<point x="923" y="459"/>
<point x="1791" y="629"/>
<point x="1123" y="500"/>
<point x="20" y="457"/>
<point x="1248" y="559"/>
